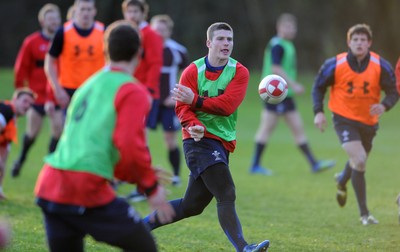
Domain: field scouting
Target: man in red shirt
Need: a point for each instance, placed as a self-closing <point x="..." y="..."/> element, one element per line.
<point x="210" y="92"/>
<point x="29" y="71"/>
<point x="148" y="71"/>
<point x="73" y="189"/>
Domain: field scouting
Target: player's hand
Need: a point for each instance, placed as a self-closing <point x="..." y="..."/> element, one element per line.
<point x="163" y="177"/>
<point x="320" y="121"/>
<point x="62" y="97"/>
<point x="377" y="109"/>
<point x="49" y="108"/>
<point x="297" y="88"/>
<point x="169" y="101"/>
<point x="196" y="132"/>
<point x="183" y="94"/>
<point x="163" y="209"/>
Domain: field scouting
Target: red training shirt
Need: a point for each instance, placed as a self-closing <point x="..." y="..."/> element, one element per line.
<point x="148" y="70"/>
<point x="29" y="65"/>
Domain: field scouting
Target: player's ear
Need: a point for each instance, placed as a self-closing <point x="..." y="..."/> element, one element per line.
<point x="208" y="43"/>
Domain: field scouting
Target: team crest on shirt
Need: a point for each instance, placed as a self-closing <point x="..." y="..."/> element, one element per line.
<point x="345" y="135"/>
<point x="216" y="155"/>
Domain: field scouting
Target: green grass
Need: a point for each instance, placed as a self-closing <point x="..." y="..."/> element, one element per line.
<point x="295" y="209"/>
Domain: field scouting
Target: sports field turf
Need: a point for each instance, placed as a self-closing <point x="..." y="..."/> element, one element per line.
<point x="295" y="209"/>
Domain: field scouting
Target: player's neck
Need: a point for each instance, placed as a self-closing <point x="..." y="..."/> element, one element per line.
<point x="216" y="62"/>
<point x="122" y="66"/>
<point x="84" y="25"/>
<point x="47" y="33"/>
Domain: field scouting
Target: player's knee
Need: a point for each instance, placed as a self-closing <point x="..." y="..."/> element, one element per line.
<point x="193" y="210"/>
<point x="228" y="195"/>
<point x="359" y="162"/>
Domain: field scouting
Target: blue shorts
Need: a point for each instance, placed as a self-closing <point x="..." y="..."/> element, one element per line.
<point x="285" y="106"/>
<point x="116" y="223"/>
<point x="167" y="117"/>
<point x="349" y="130"/>
<point x="203" y="154"/>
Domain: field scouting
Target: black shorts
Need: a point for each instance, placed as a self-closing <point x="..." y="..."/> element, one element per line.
<point x="39" y="108"/>
<point x="285" y="106"/>
<point x="167" y="117"/>
<point x="153" y="114"/>
<point x="203" y="154"/>
<point x="116" y="223"/>
<point x="349" y="130"/>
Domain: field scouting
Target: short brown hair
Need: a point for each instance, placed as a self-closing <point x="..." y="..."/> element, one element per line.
<point x="77" y="1"/>
<point x="286" y="17"/>
<point x="24" y="91"/>
<point x="217" y="26"/>
<point x="163" y="19"/>
<point x="144" y="7"/>
<point x="46" y="9"/>
<point x="359" y="29"/>
<point x="121" y="41"/>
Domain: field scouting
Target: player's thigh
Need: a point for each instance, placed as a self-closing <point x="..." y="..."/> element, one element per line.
<point x="197" y="197"/>
<point x="356" y="153"/>
<point x="34" y="120"/>
<point x="4" y="151"/>
<point x="61" y="235"/>
<point x="269" y="120"/>
<point x="219" y="182"/>
<point x="295" y="123"/>
<point x="118" y="224"/>
<point x="57" y="122"/>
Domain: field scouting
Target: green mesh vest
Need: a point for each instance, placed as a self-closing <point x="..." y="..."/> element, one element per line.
<point x="221" y="126"/>
<point x="86" y="143"/>
<point x="288" y="61"/>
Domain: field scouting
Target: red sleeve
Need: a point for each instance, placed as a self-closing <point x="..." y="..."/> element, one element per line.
<point x="397" y="72"/>
<point x="23" y="63"/>
<point x="132" y="104"/>
<point x="185" y="113"/>
<point x="232" y="97"/>
<point x="154" y="57"/>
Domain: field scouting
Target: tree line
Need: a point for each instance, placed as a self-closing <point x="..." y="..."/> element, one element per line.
<point x="322" y="25"/>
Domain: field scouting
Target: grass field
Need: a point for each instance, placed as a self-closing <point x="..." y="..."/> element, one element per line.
<point x="295" y="209"/>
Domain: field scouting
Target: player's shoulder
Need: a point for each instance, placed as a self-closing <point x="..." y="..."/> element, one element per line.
<point x="240" y="68"/>
<point x="274" y="41"/>
<point x="6" y="110"/>
<point x="99" y="25"/>
<point x="134" y="87"/>
<point x="170" y="43"/>
<point x="385" y="64"/>
<point x="32" y="37"/>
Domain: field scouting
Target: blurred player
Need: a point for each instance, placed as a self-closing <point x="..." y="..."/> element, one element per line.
<point x="148" y="71"/>
<point x="76" y="51"/>
<point x="29" y="72"/>
<point x="175" y="58"/>
<point x="397" y="73"/>
<point x="211" y="90"/>
<point x="73" y="188"/>
<point x="280" y="59"/>
<point x="22" y="100"/>
<point x="356" y="79"/>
